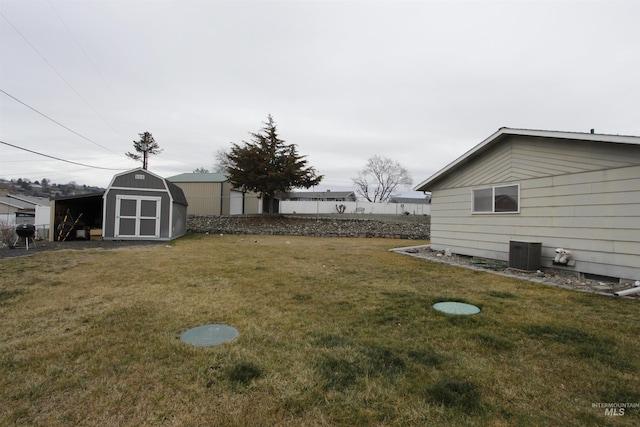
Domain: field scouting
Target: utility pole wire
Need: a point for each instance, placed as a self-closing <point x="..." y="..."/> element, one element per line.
<point x="56" y="122"/>
<point x="84" y="52"/>
<point x="58" y="73"/>
<point x="57" y="158"/>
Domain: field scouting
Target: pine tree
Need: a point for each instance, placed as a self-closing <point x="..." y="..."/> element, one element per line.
<point x="268" y="166"/>
<point x="146" y="147"/>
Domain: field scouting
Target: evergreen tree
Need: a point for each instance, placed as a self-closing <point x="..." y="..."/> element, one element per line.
<point x="268" y="166"/>
<point x="145" y="147"/>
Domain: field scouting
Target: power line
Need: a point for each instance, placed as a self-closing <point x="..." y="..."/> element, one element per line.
<point x="84" y="52"/>
<point x="58" y="73"/>
<point x="57" y="158"/>
<point x="56" y="122"/>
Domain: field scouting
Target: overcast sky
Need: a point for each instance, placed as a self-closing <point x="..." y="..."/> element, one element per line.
<point x="418" y="82"/>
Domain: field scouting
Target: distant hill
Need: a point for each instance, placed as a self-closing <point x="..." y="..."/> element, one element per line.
<point x="46" y="188"/>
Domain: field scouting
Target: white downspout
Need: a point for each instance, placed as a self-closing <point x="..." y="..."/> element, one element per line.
<point x="628" y="291"/>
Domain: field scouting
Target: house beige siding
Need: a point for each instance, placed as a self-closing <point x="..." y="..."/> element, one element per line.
<point x="521" y="157"/>
<point x="580" y="196"/>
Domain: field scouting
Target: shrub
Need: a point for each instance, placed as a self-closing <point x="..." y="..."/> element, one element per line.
<point x="7" y="234"/>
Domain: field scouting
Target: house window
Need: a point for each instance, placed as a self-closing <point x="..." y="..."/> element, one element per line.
<point x="498" y="199"/>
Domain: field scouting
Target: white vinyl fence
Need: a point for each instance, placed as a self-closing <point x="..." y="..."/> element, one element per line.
<point x="40" y="221"/>
<point x="364" y="208"/>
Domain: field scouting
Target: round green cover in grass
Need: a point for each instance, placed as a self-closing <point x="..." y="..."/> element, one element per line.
<point x="209" y="335"/>
<point x="456" y="308"/>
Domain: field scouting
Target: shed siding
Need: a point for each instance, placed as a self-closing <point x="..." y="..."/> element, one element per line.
<point x="110" y="210"/>
<point x="521" y="158"/>
<point x="595" y="214"/>
<point x="179" y="216"/>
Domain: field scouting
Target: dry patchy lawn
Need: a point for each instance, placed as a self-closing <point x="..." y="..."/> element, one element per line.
<point x="332" y="332"/>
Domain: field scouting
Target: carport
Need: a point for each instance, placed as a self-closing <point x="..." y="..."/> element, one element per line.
<point x="86" y="209"/>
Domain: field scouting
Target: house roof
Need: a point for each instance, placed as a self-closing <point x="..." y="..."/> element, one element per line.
<point x="80" y="196"/>
<point x="416" y="200"/>
<point x="13" y="202"/>
<point x="321" y="194"/>
<point x="199" y="177"/>
<point x="505" y="132"/>
<point x="42" y="201"/>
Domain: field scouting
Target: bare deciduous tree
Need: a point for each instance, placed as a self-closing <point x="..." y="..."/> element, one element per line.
<point x="221" y="161"/>
<point x="380" y="178"/>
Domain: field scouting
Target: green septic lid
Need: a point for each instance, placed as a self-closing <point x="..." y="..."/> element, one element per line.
<point x="209" y="335"/>
<point x="456" y="308"/>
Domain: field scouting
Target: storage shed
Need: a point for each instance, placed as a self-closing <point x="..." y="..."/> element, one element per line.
<point x="139" y="205"/>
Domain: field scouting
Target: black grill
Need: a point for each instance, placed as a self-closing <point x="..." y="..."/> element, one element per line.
<point x="25" y="230"/>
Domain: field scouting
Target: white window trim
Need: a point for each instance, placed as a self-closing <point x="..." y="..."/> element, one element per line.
<point x="493" y="199"/>
<point x="138" y="216"/>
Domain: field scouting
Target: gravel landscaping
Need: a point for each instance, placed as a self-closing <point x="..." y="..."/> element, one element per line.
<point x="547" y="276"/>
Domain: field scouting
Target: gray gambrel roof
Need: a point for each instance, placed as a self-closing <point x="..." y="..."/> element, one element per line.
<point x="506" y="132"/>
<point x="176" y="192"/>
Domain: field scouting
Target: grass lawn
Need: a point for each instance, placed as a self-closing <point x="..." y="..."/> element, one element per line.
<point x="331" y="332"/>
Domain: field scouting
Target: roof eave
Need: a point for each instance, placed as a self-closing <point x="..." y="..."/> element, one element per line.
<point x="481" y="147"/>
<point x="424" y="185"/>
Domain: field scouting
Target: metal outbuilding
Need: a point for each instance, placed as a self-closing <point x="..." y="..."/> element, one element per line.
<point x="212" y="194"/>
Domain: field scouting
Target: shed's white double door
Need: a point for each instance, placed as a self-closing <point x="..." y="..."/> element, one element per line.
<point x="137" y="216"/>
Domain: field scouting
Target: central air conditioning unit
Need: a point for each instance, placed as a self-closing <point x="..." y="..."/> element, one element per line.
<point x="525" y="255"/>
